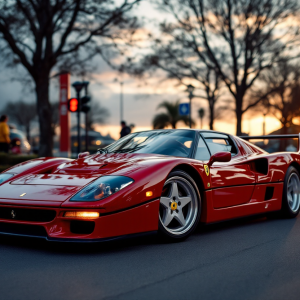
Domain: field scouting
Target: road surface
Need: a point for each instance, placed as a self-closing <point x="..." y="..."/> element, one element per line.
<point x="256" y="258"/>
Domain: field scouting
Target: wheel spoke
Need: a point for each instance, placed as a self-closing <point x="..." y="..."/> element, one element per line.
<point x="174" y="190"/>
<point x="290" y="199"/>
<point x="294" y="183"/>
<point x="165" y="201"/>
<point x="185" y="200"/>
<point x="180" y="218"/>
<point x="168" y="218"/>
<point x="296" y="188"/>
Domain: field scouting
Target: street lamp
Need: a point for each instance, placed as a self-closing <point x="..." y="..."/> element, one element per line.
<point x="121" y="100"/>
<point x="201" y="113"/>
<point x="265" y="112"/>
<point x="190" y="90"/>
<point x="121" y="82"/>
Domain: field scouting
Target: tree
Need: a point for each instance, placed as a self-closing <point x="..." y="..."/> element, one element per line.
<point x="169" y="118"/>
<point x="237" y="39"/>
<point x="22" y="113"/>
<point x="97" y="114"/>
<point x="49" y="35"/>
<point x="280" y="93"/>
<point x="181" y="62"/>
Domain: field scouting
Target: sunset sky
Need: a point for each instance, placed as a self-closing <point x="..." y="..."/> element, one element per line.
<point x="140" y="99"/>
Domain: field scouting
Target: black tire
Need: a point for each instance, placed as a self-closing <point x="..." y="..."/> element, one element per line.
<point x="290" y="209"/>
<point x="189" y="212"/>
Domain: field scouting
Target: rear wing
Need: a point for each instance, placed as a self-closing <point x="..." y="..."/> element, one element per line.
<point x="273" y="137"/>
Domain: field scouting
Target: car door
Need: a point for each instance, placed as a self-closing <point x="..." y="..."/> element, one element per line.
<point x="232" y="183"/>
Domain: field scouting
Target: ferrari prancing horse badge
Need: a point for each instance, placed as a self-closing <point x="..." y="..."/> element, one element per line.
<point x="206" y="168"/>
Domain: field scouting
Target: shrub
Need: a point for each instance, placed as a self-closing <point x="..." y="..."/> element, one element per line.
<point x="8" y="160"/>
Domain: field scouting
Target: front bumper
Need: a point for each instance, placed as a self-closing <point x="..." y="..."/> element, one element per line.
<point x="139" y="219"/>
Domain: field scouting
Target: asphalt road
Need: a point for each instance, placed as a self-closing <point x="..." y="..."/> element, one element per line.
<point x="245" y="259"/>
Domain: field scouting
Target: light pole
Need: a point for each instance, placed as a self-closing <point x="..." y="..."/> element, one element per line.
<point x="190" y="90"/>
<point x="201" y="115"/>
<point x="264" y="123"/>
<point x="265" y="112"/>
<point x="121" y="100"/>
<point x="86" y="84"/>
<point x="120" y="80"/>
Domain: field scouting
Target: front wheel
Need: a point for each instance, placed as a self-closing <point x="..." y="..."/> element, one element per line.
<point x="180" y="207"/>
<point x="291" y="194"/>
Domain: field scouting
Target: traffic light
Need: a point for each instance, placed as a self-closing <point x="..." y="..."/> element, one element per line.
<point x="73" y="105"/>
<point x="84" y="104"/>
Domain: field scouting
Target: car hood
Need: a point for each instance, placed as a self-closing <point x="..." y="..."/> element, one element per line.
<point x="114" y="163"/>
<point x="68" y="178"/>
<point x="43" y="187"/>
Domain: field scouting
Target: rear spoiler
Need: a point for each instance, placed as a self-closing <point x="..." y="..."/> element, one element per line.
<point x="273" y="137"/>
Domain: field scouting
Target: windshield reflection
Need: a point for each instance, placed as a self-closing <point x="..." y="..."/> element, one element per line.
<point x="164" y="142"/>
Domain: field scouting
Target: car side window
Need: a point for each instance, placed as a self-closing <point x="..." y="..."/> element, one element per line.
<point x="219" y="142"/>
<point x="202" y="152"/>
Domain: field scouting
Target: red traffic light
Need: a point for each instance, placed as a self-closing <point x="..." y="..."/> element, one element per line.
<point x="73" y="105"/>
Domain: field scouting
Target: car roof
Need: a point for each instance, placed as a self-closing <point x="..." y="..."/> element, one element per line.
<point x="191" y="129"/>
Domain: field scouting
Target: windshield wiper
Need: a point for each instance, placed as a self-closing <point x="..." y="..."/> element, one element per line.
<point x="123" y="150"/>
<point x="102" y="151"/>
<point x="128" y="150"/>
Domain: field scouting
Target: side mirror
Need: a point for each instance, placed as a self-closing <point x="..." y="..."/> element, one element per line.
<point x="219" y="157"/>
<point x="83" y="154"/>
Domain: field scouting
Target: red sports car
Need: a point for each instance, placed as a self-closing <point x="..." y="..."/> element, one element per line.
<point x="163" y="180"/>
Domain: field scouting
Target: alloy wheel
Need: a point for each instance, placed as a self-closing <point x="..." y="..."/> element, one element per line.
<point x="293" y="192"/>
<point x="178" y="205"/>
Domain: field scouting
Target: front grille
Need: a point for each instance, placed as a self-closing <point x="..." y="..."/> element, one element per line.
<point x="23" y="229"/>
<point x="24" y="214"/>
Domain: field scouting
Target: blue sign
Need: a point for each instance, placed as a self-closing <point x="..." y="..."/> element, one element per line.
<point x="184" y="109"/>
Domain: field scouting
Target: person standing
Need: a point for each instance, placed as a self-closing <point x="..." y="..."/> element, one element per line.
<point x="125" y="129"/>
<point x="4" y="134"/>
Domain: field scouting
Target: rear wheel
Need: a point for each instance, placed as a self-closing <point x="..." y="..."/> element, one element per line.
<point x="180" y="207"/>
<point x="291" y="194"/>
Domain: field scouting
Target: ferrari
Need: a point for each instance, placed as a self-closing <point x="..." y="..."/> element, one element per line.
<point x="164" y="181"/>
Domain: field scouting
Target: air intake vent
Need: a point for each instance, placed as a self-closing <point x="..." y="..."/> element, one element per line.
<point x="261" y="166"/>
<point x="269" y="192"/>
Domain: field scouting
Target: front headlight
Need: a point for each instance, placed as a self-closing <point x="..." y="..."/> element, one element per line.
<point x="102" y="188"/>
<point x="5" y="176"/>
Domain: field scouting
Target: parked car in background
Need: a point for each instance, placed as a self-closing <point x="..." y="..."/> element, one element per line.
<point x="19" y="143"/>
<point x="95" y="140"/>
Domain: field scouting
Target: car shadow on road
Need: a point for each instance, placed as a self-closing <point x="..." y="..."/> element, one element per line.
<point x="238" y="222"/>
<point x="122" y="244"/>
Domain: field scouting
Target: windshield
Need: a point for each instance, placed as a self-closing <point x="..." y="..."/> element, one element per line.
<point x="165" y="142"/>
